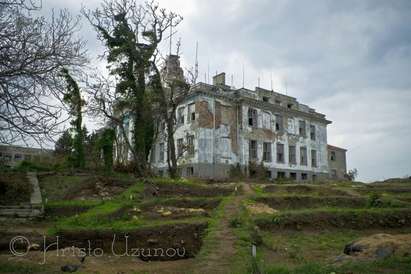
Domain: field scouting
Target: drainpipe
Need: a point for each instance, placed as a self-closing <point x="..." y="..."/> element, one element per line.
<point x="214" y="138"/>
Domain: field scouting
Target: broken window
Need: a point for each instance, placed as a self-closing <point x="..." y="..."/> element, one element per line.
<point x="312" y="132"/>
<point x="333" y="156"/>
<point x="301" y="128"/>
<point x="313" y="158"/>
<point x="191" y="113"/>
<point x="180" y="146"/>
<point x="290" y="106"/>
<point x="253" y="150"/>
<point x="279" y="123"/>
<point x="190" y="171"/>
<point x="252" y="117"/>
<point x="267" y="152"/>
<point x="280" y="175"/>
<point x="303" y="156"/>
<point x="292" y="155"/>
<point x="293" y="176"/>
<point x="266" y="120"/>
<point x="190" y="144"/>
<point x="180" y="116"/>
<point x="18" y="157"/>
<point x="265" y="99"/>
<point x="280" y="153"/>
<point x="304" y="176"/>
<point x="161" y="153"/>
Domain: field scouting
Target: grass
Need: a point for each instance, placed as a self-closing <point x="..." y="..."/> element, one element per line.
<point x="55" y="188"/>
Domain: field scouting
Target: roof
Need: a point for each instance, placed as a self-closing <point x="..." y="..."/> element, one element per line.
<point x="335" y="148"/>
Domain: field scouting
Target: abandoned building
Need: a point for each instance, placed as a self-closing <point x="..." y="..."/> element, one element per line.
<point x="220" y="127"/>
<point x="12" y="156"/>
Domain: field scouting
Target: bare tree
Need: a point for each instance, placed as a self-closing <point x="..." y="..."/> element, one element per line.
<point x="170" y="92"/>
<point x="132" y="33"/>
<point x="32" y="52"/>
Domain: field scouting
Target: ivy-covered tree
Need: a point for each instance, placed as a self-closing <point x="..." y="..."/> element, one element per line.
<point x="106" y="145"/>
<point x="132" y="33"/>
<point x="64" y="144"/>
<point x="75" y="103"/>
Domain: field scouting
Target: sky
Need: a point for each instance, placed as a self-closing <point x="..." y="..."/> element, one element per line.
<point x="350" y="60"/>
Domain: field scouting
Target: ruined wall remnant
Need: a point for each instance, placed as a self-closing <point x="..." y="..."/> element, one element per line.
<point x="205" y="115"/>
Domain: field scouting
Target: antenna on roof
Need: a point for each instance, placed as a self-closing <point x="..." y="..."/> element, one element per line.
<point x="171" y="36"/>
<point x="271" y="81"/>
<point x="243" y="75"/>
<point x="286" y="87"/>
<point x="196" y="65"/>
<point x="208" y="72"/>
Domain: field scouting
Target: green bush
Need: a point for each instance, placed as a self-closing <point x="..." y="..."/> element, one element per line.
<point x="14" y="188"/>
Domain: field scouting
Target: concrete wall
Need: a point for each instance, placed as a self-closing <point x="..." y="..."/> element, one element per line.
<point x="337" y="162"/>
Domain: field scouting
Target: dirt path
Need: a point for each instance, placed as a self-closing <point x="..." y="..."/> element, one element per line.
<point x="218" y="260"/>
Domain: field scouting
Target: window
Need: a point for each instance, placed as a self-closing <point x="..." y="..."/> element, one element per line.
<point x="333" y="156"/>
<point x="293" y="176"/>
<point x="290" y="106"/>
<point x="253" y="150"/>
<point x="7" y="157"/>
<point x="252" y="117"/>
<point x="190" y="144"/>
<point x="267" y="152"/>
<point x="268" y="174"/>
<point x="180" y="116"/>
<point x="266" y="120"/>
<point x="280" y="153"/>
<point x="303" y="156"/>
<point x="304" y="176"/>
<point x="265" y="99"/>
<point x="161" y="153"/>
<point x="190" y="171"/>
<point x="314" y="177"/>
<point x="180" y="146"/>
<point x="312" y="132"/>
<point x="313" y="158"/>
<point x="18" y="157"/>
<point x="279" y="124"/>
<point x="280" y="175"/>
<point x="292" y="159"/>
<point x="191" y="113"/>
<point x="301" y="128"/>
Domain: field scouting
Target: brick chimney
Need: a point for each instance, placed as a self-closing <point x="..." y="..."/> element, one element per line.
<point x="219" y="79"/>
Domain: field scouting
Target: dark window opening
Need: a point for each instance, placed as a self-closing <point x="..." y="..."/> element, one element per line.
<point x="268" y="174"/>
<point x="304" y="176"/>
<point x="280" y="153"/>
<point x="289" y="106"/>
<point x="303" y="156"/>
<point x="265" y="99"/>
<point x="190" y="144"/>
<point x="313" y="158"/>
<point x="253" y="149"/>
<point x="279" y="124"/>
<point x="252" y="117"/>
<point x="292" y="155"/>
<point x="312" y="132"/>
<point x="333" y="156"/>
<point x="293" y="176"/>
<point x="190" y="171"/>
<point x="301" y="128"/>
<point x="280" y="175"/>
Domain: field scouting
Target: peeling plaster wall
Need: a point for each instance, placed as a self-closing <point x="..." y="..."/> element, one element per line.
<point x="221" y="137"/>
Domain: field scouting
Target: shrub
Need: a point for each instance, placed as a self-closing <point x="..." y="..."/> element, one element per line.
<point x="374" y="200"/>
<point x="14" y="188"/>
<point x="236" y="172"/>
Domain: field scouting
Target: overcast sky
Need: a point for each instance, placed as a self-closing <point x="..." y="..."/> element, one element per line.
<point x="350" y="60"/>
